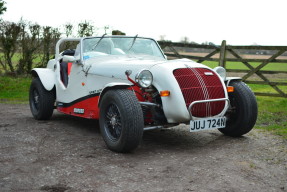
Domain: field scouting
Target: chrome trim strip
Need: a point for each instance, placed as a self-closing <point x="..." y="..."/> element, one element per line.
<point x="209" y="100"/>
<point x="151" y="128"/>
<point x="204" y="89"/>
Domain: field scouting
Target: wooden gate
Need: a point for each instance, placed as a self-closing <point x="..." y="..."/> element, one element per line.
<point x="228" y="54"/>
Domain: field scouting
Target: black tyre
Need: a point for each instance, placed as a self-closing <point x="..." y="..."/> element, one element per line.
<point x="242" y="115"/>
<point x="121" y="120"/>
<point x="41" y="100"/>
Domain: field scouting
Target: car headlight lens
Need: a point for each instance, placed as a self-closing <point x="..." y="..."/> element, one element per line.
<point x="221" y="72"/>
<point x="144" y="78"/>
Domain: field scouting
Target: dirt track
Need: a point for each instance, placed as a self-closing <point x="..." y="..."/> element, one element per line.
<point x="68" y="154"/>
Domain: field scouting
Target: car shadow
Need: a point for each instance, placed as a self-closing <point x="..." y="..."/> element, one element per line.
<point x="179" y="138"/>
<point x="90" y="125"/>
<point x="176" y="138"/>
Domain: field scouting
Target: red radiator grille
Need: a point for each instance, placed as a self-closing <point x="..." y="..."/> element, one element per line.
<point x="198" y="84"/>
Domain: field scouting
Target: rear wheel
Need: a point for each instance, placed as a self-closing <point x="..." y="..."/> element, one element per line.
<point x="41" y="101"/>
<point x="242" y="116"/>
<point x="121" y="120"/>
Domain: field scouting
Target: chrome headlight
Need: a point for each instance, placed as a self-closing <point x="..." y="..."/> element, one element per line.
<point x="221" y="72"/>
<point x="144" y="78"/>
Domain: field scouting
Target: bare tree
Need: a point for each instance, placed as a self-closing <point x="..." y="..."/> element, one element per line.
<point x="85" y="29"/>
<point x="193" y="42"/>
<point x="2" y="7"/>
<point x="68" y="31"/>
<point x="106" y="28"/>
<point x="56" y="34"/>
<point x="30" y="43"/>
<point x="185" y="40"/>
<point x="162" y="37"/>
<point x="46" y="44"/>
<point x="9" y="34"/>
<point x="49" y="38"/>
<point x="68" y="27"/>
<point x="117" y="32"/>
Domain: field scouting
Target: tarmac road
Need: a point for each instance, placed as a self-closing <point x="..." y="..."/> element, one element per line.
<point x="69" y="154"/>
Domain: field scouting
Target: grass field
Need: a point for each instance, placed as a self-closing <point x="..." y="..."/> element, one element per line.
<point x="272" y="115"/>
<point x="14" y="89"/>
<point x="239" y="65"/>
<point x="272" y="111"/>
<point x="16" y="58"/>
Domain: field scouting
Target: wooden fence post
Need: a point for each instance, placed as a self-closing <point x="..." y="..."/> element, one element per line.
<point x="222" y="54"/>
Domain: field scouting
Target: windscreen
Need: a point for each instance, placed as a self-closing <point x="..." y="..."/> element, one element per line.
<point x="103" y="46"/>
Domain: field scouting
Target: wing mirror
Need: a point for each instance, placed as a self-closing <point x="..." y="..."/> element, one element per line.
<point x="128" y="72"/>
<point x="67" y="58"/>
<point x="71" y="59"/>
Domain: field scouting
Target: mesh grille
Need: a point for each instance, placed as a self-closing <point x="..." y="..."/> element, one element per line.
<point x="200" y="84"/>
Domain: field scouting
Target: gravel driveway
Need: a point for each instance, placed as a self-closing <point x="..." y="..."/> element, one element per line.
<point x="69" y="154"/>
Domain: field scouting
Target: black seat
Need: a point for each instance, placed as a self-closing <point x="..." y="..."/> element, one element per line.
<point x="64" y="71"/>
<point x="70" y="52"/>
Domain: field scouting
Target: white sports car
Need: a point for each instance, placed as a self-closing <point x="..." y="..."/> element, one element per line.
<point x="129" y="85"/>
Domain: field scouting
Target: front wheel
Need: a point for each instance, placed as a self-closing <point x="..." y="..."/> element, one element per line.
<point x="242" y="114"/>
<point x="121" y="120"/>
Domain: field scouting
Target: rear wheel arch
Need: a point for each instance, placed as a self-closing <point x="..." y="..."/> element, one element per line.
<point x="46" y="76"/>
<point x="35" y="75"/>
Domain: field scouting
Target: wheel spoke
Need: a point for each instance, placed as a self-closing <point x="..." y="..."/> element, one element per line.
<point x="113" y="121"/>
<point x="118" y="131"/>
<point x="109" y="115"/>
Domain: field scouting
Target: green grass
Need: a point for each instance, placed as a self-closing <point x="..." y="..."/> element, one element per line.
<point x="239" y="65"/>
<point x="272" y="110"/>
<point x="272" y="115"/>
<point x="14" y="89"/>
<point x="266" y="88"/>
<point x="16" y="58"/>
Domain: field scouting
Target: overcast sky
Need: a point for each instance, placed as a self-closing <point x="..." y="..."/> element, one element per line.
<point x="242" y="22"/>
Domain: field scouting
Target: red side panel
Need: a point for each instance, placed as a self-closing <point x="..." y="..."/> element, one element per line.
<point x="85" y="107"/>
<point x="69" y="68"/>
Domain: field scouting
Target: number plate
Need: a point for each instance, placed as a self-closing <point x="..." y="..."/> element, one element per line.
<point x="208" y="123"/>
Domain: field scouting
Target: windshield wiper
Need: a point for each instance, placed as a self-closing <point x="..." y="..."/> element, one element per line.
<point x="98" y="42"/>
<point x="134" y="40"/>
